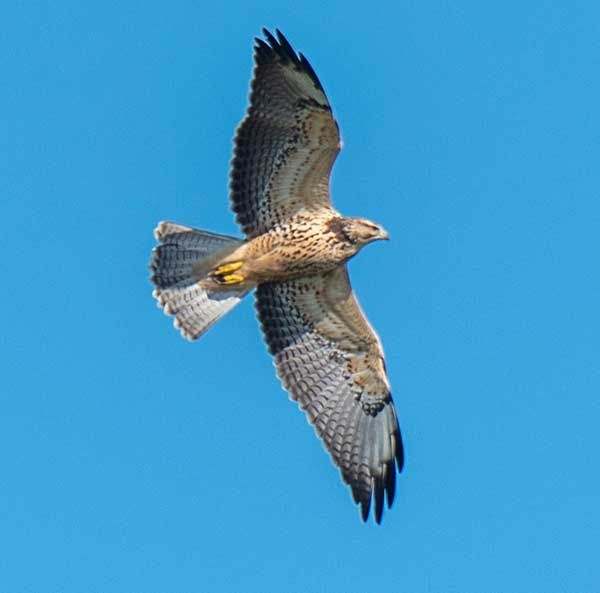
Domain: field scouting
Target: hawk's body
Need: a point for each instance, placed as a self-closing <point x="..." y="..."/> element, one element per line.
<point x="327" y="355"/>
<point x="306" y="244"/>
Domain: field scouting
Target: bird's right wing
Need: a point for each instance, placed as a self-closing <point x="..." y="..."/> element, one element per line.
<point x="331" y="362"/>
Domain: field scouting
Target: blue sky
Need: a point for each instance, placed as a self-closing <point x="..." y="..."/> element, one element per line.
<point x="133" y="461"/>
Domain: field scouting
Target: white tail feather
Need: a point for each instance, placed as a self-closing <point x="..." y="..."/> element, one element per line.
<point x="195" y="303"/>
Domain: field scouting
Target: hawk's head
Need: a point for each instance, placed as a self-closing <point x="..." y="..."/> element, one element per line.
<point x="359" y="231"/>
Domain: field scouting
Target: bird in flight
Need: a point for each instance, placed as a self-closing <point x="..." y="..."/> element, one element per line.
<point x="293" y="256"/>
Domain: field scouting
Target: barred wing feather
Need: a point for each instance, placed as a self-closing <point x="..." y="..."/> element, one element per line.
<point x="287" y="143"/>
<point x="331" y="362"/>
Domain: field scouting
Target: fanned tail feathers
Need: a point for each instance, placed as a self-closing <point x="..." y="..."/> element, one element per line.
<point x="195" y="302"/>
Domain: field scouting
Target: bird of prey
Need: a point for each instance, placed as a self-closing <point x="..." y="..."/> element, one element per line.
<point x="293" y="256"/>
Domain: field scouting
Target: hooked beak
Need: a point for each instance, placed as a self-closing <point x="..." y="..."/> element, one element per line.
<point x="383" y="234"/>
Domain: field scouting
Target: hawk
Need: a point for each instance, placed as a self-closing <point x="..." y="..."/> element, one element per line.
<point x="293" y="256"/>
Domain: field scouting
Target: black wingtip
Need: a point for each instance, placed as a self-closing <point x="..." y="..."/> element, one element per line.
<point x="399" y="451"/>
<point x="390" y="483"/>
<point x="272" y="41"/>
<point x="288" y="49"/>
<point x="379" y="491"/>
<point x="278" y="45"/>
<point x="365" y="505"/>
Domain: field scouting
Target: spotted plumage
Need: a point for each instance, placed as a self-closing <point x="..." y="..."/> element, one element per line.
<point x="294" y="256"/>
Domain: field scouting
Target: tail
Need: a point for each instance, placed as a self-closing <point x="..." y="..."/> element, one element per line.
<point x="195" y="302"/>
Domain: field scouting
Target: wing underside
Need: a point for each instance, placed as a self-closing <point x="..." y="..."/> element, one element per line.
<point x="287" y="142"/>
<point x="330" y="361"/>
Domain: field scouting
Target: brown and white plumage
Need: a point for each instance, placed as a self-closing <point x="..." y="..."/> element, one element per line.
<point x="327" y="355"/>
<point x="331" y="362"/>
<point x="287" y="143"/>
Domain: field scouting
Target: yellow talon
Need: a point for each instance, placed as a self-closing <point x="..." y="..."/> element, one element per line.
<point x="223" y="275"/>
<point x="230" y="279"/>
<point x="227" y="268"/>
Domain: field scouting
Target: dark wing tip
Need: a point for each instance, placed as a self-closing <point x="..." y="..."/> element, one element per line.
<point x="262" y="51"/>
<point x="399" y="449"/>
<point x="365" y="505"/>
<point x="379" y="492"/>
<point x="381" y="489"/>
<point x="390" y="483"/>
<point x="271" y="39"/>
<point x="383" y="482"/>
<point x="287" y="49"/>
<point x="280" y="48"/>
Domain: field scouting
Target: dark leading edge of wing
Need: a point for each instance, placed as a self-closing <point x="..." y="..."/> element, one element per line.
<point x="280" y="48"/>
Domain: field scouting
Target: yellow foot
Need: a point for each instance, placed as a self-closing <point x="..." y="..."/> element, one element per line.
<point x="230" y="279"/>
<point x="228" y="268"/>
<point x="223" y="274"/>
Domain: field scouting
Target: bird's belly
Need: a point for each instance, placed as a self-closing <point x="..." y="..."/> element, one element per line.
<point x="295" y="257"/>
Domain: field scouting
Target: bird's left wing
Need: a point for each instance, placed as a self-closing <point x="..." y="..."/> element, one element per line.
<point x="287" y="143"/>
<point x="330" y="360"/>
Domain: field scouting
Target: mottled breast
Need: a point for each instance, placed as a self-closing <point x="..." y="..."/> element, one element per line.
<point x="303" y="246"/>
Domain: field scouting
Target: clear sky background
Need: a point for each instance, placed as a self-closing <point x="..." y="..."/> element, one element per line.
<point x="134" y="462"/>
